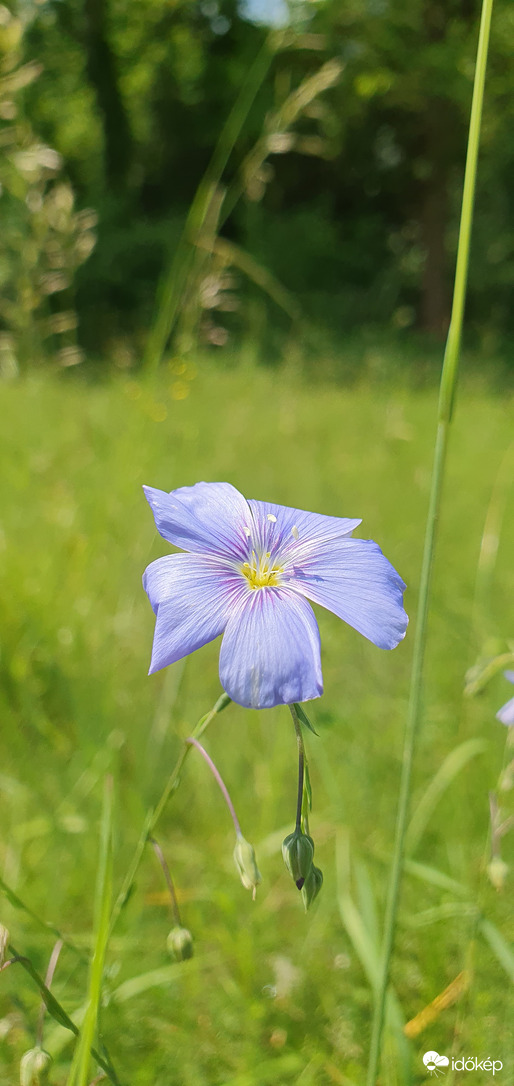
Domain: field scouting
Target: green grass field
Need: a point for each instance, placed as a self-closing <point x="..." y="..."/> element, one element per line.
<point x="272" y="995"/>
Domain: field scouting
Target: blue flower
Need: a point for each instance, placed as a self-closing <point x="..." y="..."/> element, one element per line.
<point x="249" y="571"/>
<point x="506" y="713"/>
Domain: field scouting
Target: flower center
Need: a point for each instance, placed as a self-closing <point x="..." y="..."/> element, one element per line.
<point x="261" y="572"/>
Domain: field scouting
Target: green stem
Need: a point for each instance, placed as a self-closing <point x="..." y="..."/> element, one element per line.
<point x="155" y="813"/>
<point x="446" y="401"/>
<point x="301" y="768"/>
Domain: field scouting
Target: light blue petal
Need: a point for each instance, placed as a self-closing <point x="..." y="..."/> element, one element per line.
<point x="270" y="653"/>
<point x="355" y="580"/>
<point x="192" y="597"/>
<point x="506" y="713"/>
<point x="207" y="518"/>
<point x="509" y="675"/>
<point x="285" y="529"/>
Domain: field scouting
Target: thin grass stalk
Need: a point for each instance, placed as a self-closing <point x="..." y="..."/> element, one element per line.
<point x="154" y="814"/>
<point x="55" y="1009"/>
<point x="170" y="294"/>
<point x="445" y="410"/>
<point x="17" y="903"/>
<point x="80" y="1068"/>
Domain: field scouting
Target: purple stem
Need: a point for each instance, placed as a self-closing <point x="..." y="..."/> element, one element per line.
<point x="167" y="875"/>
<point x="194" y="743"/>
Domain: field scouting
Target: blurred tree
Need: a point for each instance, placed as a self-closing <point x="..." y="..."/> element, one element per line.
<point x="409" y="74"/>
<point x="44" y="239"/>
<point x="355" y="210"/>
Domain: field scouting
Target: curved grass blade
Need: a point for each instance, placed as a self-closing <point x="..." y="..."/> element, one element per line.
<point x="451" y="767"/>
<point x="17" y="903"/>
<point x="501" y="949"/>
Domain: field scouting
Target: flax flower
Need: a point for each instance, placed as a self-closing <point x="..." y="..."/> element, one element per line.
<point x="249" y="570"/>
<point x="506" y="713"/>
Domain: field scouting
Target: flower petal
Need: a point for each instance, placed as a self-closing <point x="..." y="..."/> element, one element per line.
<point x="506" y="713"/>
<point x="284" y="527"/>
<point x="192" y="597"/>
<point x="270" y="653"/>
<point x="208" y="518"/>
<point x="355" y="580"/>
<point x="509" y="675"/>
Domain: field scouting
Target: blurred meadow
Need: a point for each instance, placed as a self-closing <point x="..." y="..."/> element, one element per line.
<point x="228" y="243"/>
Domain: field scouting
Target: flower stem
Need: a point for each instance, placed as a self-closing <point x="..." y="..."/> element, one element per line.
<point x="301" y="768"/>
<point x="446" y="401"/>
<point x="219" y="779"/>
<point x="169" y="881"/>
<point x="155" y="813"/>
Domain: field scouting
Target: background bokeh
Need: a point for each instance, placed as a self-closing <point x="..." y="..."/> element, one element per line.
<point x="342" y="130"/>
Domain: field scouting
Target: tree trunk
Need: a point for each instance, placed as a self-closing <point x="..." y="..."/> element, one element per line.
<point x="101" y="68"/>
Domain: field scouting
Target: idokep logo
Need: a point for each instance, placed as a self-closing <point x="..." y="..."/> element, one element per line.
<point x="434" y="1063"/>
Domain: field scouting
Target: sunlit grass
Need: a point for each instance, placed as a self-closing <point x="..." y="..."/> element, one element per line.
<point x="272" y="994"/>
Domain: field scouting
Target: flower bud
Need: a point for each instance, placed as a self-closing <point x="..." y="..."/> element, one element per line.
<point x="246" y="864"/>
<point x="4" y="940"/>
<point x="180" y="943"/>
<point x="312" y="886"/>
<point x="298" y="852"/>
<point x="34" y="1067"/>
<point x="497" y="871"/>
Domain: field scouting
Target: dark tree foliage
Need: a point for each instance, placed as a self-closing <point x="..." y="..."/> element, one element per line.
<point x="357" y="215"/>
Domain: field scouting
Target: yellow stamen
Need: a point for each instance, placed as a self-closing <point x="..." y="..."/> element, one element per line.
<point x="262" y="573"/>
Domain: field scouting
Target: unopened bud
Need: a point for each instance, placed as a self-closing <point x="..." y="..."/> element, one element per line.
<point x="180" y="943"/>
<point x="34" y="1067"/>
<point x="246" y="863"/>
<point x="312" y="886"/>
<point x="298" y="853"/>
<point x="4" y="940"/>
<point x="497" y="871"/>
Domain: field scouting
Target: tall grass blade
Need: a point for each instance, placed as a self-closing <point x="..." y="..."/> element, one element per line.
<point x="434" y="877"/>
<point x="276" y="137"/>
<point x="490" y="543"/>
<point x="232" y="254"/>
<point x="451" y="767"/>
<point x="361" y="928"/>
<point x="501" y="949"/>
<point x="80" y="1069"/>
<point x="17" y="903"/>
<point x="57" y="1011"/>
<point x="170" y="294"/>
<point x="446" y="401"/>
